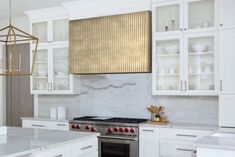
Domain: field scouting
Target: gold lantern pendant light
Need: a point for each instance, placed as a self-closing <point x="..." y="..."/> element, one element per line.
<point x="14" y="61"/>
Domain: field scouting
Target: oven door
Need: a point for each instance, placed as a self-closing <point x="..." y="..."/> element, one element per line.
<point x="118" y="147"/>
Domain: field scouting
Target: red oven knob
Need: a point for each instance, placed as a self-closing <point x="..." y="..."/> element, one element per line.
<point x="87" y="127"/>
<point x="109" y="131"/>
<point x="115" y="129"/>
<point x="121" y="130"/>
<point x="77" y="126"/>
<point x="93" y="129"/>
<point x="73" y="126"/>
<point x="126" y="130"/>
<point x="132" y="130"/>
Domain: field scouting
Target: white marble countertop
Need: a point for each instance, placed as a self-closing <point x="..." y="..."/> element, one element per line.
<point x="22" y="141"/>
<point x="196" y="126"/>
<point x="225" y="143"/>
<point x="66" y="120"/>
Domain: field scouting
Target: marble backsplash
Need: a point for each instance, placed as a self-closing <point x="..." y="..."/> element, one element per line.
<point x="128" y="95"/>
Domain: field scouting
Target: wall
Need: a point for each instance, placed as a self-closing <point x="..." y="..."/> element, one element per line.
<point x="22" y="23"/>
<point x="128" y="96"/>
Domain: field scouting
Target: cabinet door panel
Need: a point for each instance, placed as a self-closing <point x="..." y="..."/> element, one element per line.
<point x="226" y="110"/>
<point x="227" y="61"/>
<point x="168" y="66"/>
<point x="168" y="17"/>
<point x="227" y="12"/>
<point x="199" y="14"/>
<point x="149" y="142"/>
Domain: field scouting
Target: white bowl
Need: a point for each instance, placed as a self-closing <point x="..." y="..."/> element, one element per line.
<point x="199" y="47"/>
<point x="42" y="73"/>
<point x="171" y="49"/>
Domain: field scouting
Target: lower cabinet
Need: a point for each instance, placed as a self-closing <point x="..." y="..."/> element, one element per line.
<point x="50" y="125"/>
<point x="83" y="148"/>
<point x="169" y="142"/>
<point x="180" y="142"/>
<point x="149" y="142"/>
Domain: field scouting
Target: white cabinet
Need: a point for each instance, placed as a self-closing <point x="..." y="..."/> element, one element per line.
<point x="227" y="57"/>
<point x="226" y="111"/>
<point x="185" y="48"/>
<point x="149" y="142"/>
<point x="226" y="13"/>
<point x="50" y="125"/>
<point x="185" y="64"/>
<point x="51" y="70"/>
<point x="177" y="16"/>
<point x="180" y="142"/>
<point x="83" y="148"/>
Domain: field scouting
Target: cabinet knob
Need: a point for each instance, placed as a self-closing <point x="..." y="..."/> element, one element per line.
<point x="185" y="29"/>
<point x="181" y="29"/>
<point x="221" y="25"/>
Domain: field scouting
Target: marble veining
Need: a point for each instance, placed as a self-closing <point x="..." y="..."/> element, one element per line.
<point x="22" y="141"/>
<point x="216" y="143"/>
<point x="128" y="95"/>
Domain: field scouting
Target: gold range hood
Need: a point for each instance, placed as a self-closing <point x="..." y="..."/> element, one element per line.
<point x="111" y="44"/>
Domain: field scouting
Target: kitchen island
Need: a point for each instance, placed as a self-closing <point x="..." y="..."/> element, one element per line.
<point x="216" y="145"/>
<point x="24" y="142"/>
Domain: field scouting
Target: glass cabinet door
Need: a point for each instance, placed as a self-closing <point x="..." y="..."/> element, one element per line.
<point x="40" y="74"/>
<point x="40" y="30"/>
<point x="168" y="65"/>
<point x="60" y="30"/>
<point x="201" y="63"/>
<point x="201" y="14"/>
<point x="168" y="17"/>
<point x="61" y="79"/>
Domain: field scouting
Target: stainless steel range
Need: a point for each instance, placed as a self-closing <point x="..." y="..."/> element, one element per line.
<point x="119" y="136"/>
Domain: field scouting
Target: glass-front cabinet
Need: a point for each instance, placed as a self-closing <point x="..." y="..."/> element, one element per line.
<point x="168" y="58"/>
<point x="184" y="48"/>
<point x="201" y="67"/>
<point x="51" y="73"/>
<point x="168" y="17"/>
<point x="184" y="16"/>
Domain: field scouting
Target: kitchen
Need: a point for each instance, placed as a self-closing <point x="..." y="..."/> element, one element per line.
<point x="190" y="76"/>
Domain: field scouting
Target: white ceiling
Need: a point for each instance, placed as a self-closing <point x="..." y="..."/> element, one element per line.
<point x="19" y="6"/>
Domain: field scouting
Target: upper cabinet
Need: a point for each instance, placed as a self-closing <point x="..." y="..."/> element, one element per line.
<point x="185" y="48"/>
<point x="227" y="61"/>
<point x="184" y="16"/>
<point x="226" y="13"/>
<point x="51" y="73"/>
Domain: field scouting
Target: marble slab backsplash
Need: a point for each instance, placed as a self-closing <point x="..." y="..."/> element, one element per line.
<point x="128" y="95"/>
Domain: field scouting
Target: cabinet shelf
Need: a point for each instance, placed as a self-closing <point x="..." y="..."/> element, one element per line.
<point x="39" y="77"/>
<point x="201" y="53"/>
<point x="165" y="75"/>
<point x="168" y="55"/>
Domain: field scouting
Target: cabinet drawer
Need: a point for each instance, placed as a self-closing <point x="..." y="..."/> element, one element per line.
<point x="183" y="134"/>
<point x="62" y="126"/>
<point x="84" y="147"/>
<point x="171" y="148"/>
<point x="39" y="124"/>
<point x="56" y="152"/>
<point x="93" y="154"/>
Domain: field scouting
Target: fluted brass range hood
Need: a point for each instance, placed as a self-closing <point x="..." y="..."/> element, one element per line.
<point x="112" y="44"/>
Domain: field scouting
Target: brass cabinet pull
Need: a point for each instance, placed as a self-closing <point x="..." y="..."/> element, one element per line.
<point x="185" y="150"/>
<point x="35" y="125"/>
<point x="221" y="85"/>
<point x="183" y="135"/>
<point x="84" y="148"/>
<point x="148" y="130"/>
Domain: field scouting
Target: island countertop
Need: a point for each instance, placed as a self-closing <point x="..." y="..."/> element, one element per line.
<point x="22" y="141"/>
<point x="212" y="142"/>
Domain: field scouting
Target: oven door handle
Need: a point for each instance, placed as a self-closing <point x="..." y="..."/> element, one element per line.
<point x="119" y="138"/>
